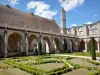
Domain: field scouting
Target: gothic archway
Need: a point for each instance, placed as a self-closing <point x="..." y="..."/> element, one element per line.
<point x="82" y="45"/>
<point x="1" y="46"/>
<point x="56" y="44"/>
<point x="46" y="45"/>
<point x="32" y="44"/>
<point x="64" y="45"/>
<point x="15" y="43"/>
<point x="73" y="45"/>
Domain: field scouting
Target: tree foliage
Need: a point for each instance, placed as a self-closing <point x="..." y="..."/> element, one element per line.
<point x="92" y="47"/>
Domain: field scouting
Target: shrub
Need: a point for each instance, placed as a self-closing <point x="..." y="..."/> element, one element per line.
<point x="93" y="62"/>
<point x="94" y="73"/>
<point x="92" y="47"/>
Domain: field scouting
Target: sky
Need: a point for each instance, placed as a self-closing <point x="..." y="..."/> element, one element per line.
<point x="78" y="12"/>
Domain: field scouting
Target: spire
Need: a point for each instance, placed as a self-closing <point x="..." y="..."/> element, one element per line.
<point x="62" y="10"/>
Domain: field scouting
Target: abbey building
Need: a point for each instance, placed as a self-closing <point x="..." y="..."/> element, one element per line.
<point x="20" y="33"/>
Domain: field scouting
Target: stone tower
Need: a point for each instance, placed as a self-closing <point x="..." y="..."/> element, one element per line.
<point x="63" y="21"/>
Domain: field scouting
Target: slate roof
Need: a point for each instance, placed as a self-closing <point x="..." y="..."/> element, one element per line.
<point x="19" y="18"/>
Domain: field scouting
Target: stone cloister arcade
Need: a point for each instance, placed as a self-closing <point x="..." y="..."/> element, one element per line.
<point x="16" y="42"/>
<point x="85" y="44"/>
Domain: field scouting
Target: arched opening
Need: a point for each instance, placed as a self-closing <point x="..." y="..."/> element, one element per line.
<point x="32" y="45"/>
<point x="1" y="47"/>
<point x="56" y="44"/>
<point x="73" y="43"/>
<point x="82" y="45"/>
<point x="70" y="42"/>
<point x="96" y="47"/>
<point x="15" y="43"/>
<point x="46" y="45"/>
<point x="65" y="45"/>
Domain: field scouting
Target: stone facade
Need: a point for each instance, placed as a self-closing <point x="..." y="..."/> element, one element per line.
<point x="14" y="41"/>
<point x="84" y="33"/>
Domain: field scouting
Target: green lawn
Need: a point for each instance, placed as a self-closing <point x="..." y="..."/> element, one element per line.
<point x="78" y="72"/>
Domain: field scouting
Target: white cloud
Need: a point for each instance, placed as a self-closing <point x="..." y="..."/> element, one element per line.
<point x="48" y="14"/>
<point x="41" y="9"/>
<point x="70" y="4"/>
<point x="88" y="23"/>
<point x="73" y="25"/>
<point x="14" y="2"/>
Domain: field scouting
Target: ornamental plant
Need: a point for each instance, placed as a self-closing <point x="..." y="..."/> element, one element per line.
<point x="39" y="47"/>
<point x="92" y="47"/>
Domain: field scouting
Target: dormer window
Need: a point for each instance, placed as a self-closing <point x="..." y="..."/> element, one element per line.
<point x="8" y="6"/>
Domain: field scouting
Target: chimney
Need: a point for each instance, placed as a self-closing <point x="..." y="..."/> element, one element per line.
<point x="63" y="20"/>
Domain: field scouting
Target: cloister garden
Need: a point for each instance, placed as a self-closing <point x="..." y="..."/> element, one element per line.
<point x="50" y="64"/>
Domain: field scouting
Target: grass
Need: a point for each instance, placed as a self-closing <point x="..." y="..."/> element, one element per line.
<point x="51" y="59"/>
<point x="83" y="54"/>
<point x="78" y="72"/>
<point x="49" y="66"/>
<point x="37" y="64"/>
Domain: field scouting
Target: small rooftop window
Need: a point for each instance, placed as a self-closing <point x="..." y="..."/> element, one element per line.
<point x="8" y="6"/>
<point x="32" y="14"/>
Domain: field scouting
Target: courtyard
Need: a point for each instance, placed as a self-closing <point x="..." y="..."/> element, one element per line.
<point x="53" y="64"/>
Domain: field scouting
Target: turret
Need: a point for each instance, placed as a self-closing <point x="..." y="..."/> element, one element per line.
<point x="63" y="20"/>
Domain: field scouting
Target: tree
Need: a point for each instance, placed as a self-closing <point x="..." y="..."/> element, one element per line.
<point x="39" y="47"/>
<point x="92" y="47"/>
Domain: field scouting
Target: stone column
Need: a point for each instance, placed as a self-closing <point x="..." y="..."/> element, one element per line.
<point x="62" y="44"/>
<point x="86" y="47"/>
<point x="98" y="44"/>
<point x="26" y="43"/>
<point x="52" y="45"/>
<point x="5" y="43"/>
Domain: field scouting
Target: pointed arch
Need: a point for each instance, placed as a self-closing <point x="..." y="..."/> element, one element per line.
<point x="73" y="45"/>
<point x="56" y="43"/>
<point x="46" y="44"/>
<point x="1" y="46"/>
<point x="15" y="43"/>
<point x="82" y="45"/>
<point x="64" y="41"/>
<point x="32" y="44"/>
